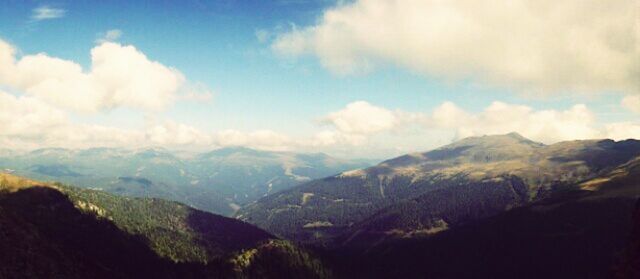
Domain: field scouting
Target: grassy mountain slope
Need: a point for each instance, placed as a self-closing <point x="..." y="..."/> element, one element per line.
<point x="473" y="178"/>
<point x="582" y="233"/>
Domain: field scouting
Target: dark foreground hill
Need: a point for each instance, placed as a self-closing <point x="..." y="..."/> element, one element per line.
<point x="56" y="231"/>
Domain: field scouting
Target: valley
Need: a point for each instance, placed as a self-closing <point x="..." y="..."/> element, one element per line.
<point x="219" y="181"/>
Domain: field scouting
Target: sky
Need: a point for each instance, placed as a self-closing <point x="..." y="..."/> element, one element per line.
<point x="362" y="78"/>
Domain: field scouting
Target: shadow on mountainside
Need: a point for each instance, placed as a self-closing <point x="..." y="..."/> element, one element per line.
<point x="629" y="267"/>
<point x="42" y="235"/>
<point x="220" y="235"/>
<point x="576" y="238"/>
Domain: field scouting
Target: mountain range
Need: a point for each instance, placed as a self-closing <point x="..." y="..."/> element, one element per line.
<point x="219" y="181"/>
<point x="428" y="192"/>
<point x="499" y="206"/>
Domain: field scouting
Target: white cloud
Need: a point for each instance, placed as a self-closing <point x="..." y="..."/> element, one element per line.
<point x="119" y="76"/>
<point x="27" y="122"/>
<point x="45" y="12"/>
<point x="631" y="103"/>
<point x="27" y="117"/>
<point x="109" y="36"/>
<point x="361" y="117"/>
<point x="171" y="133"/>
<point x="360" y="124"/>
<point x="526" y="45"/>
<point x="547" y="126"/>
<point x="623" y="130"/>
<point x="359" y="121"/>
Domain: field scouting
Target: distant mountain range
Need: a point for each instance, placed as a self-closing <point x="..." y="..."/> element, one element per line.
<point x="57" y="231"/>
<point x="219" y="181"/>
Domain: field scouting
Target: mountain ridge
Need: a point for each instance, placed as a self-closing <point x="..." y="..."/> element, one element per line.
<point x="340" y="201"/>
<point x="51" y="230"/>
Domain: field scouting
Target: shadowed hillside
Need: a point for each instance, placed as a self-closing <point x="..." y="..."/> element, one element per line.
<point x="56" y="231"/>
<point x="582" y="233"/>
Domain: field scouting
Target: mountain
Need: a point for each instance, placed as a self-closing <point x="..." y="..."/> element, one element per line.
<point x="586" y="232"/>
<point x="429" y="192"/>
<point x="57" y="231"/>
<point x="219" y="181"/>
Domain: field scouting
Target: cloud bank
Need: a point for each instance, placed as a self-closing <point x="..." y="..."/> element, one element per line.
<point x="530" y="46"/>
<point x="360" y="121"/>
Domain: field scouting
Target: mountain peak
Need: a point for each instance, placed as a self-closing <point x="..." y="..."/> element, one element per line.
<point x="516" y="135"/>
<point x="495" y="140"/>
<point x="474" y="149"/>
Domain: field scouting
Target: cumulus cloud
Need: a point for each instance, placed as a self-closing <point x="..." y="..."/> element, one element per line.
<point x="27" y="117"/>
<point x="623" y="130"/>
<point x="120" y="75"/>
<point x="359" y="128"/>
<point x="525" y="45"/>
<point x="26" y="122"/>
<point x="171" y="133"/>
<point x="547" y="126"/>
<point x="45" y="12"/>
<point x="361" y="117"/>
<point x="360" y="122"/>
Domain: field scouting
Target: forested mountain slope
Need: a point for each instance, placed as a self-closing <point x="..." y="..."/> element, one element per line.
<point x="57" y="231"/>
<point x="473" y="178"/>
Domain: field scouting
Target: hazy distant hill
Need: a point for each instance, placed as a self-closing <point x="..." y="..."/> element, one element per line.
<point x="429" y="192"/>
<point x="56" y="231"/>
<point x="219" y="181"/>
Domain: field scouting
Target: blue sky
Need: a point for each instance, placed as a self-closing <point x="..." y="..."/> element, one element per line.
<point x="230" y="49"/>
